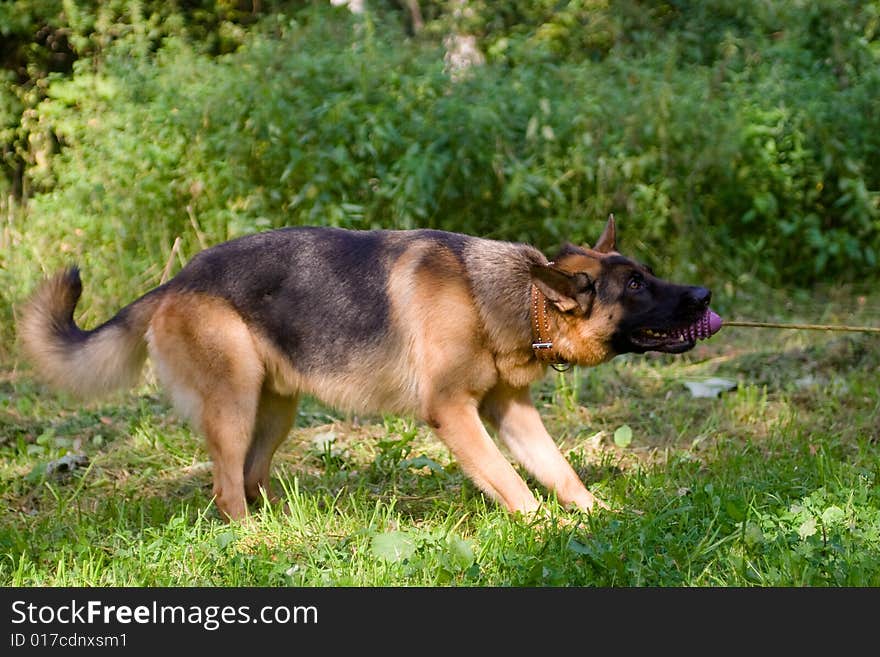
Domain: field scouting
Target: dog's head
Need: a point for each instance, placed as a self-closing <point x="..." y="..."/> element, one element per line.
<point x="606" y="304"/>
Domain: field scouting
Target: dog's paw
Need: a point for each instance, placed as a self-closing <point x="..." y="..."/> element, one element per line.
<point x="586" y="502"/>
<point x="555" y="517"/>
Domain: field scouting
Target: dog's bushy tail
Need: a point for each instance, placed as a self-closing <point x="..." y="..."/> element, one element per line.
<point x="85" y="363"/>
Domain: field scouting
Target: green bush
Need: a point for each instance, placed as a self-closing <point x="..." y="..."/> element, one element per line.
<point x="747" y="151"/>
<point x="40" y="38"/>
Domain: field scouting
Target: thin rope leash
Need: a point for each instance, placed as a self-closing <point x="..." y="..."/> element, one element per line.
<point x="808" y="327"/>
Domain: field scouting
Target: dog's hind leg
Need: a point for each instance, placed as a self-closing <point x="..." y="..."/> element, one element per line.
<point x="520" y="428"/>
<point x="227" y="423"/>
<point x="206" y="358"/>
<point x="275" y="416"/>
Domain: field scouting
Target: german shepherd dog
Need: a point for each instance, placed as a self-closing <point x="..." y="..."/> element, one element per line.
<point x="448" y="327"/>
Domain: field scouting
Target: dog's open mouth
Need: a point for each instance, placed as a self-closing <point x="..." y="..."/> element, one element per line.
<point x="679" y="338"/>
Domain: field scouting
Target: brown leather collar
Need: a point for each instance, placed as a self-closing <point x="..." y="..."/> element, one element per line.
<point x="542" y="341"/>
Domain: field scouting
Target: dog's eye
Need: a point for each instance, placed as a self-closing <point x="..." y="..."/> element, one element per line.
<point x="636" y="283"/>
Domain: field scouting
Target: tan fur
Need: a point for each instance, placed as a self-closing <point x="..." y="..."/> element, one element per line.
<point x="392" y="388"/>
<point x="452" y="354"/>
<point x="345" y="390"/>
<point x="504" y="310"/>
<point x="521" y="429"/>
<point x="275" y="417"/>
<point x="449" y="351"/>
<point x="585" y="341"/>
<point x="206" y="356"/>
<point x="111" y="361"/>
<point x="457" y="422"/>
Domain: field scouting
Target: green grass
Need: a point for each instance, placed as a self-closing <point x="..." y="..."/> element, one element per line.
<point x="775" y="483"/>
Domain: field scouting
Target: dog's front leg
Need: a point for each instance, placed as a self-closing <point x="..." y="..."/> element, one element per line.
<point x="521" y="429"/>
<point x="457" y="423"/>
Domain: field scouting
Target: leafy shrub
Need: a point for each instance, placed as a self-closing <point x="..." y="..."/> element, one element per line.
<point x="748" y="150"/>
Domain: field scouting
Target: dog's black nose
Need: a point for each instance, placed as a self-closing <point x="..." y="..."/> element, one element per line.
<point x="701" y="296"/>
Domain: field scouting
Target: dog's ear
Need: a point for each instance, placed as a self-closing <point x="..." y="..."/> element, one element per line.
<point x="608" y="241"/>
<point x="568" y="292"/>
<point x="569" y="249"/>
